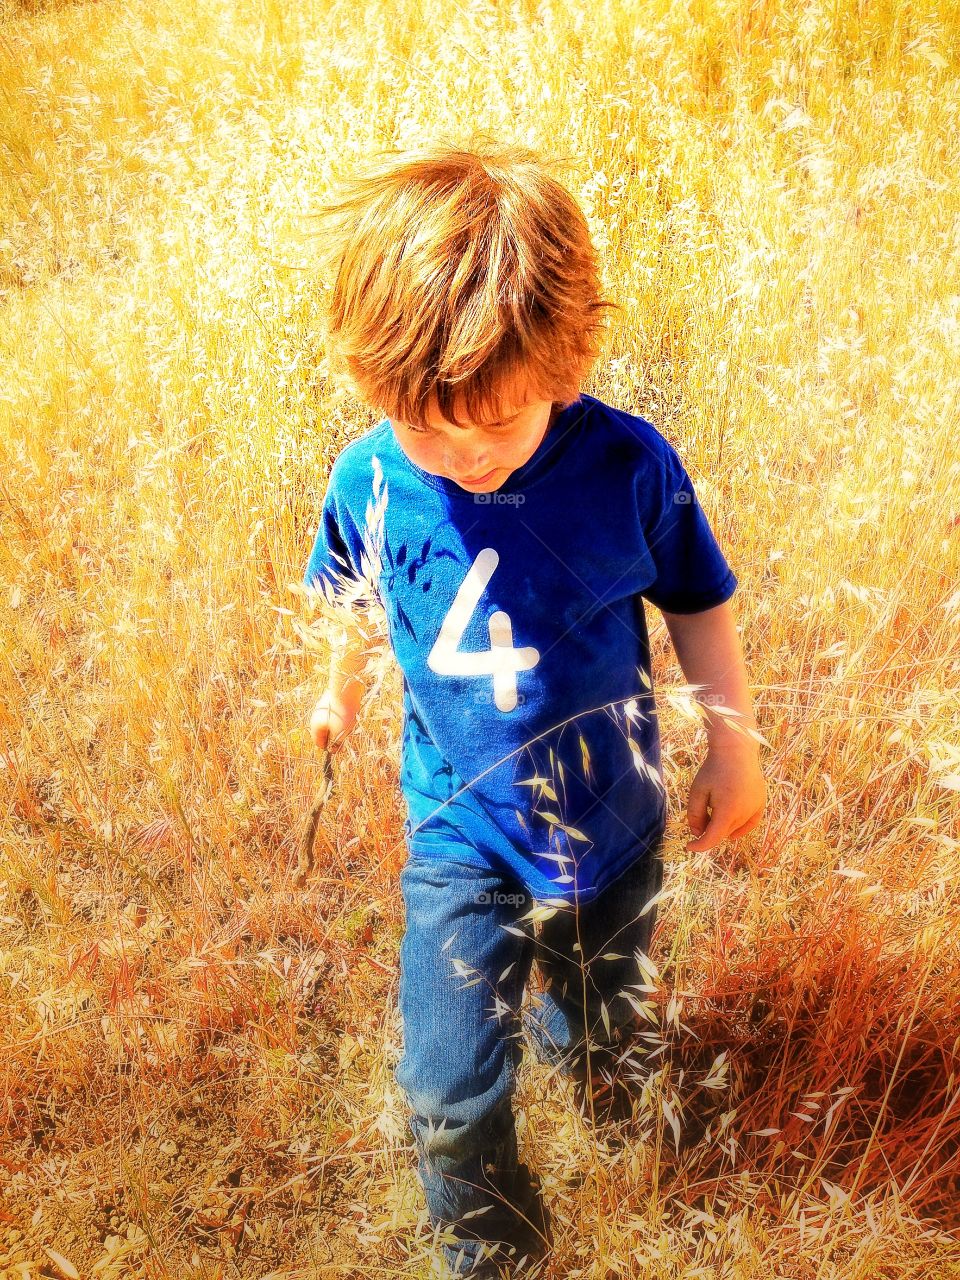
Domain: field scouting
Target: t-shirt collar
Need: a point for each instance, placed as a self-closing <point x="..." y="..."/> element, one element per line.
<point x="560" y="433"/>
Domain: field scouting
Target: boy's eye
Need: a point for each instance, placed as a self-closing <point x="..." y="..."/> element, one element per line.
<point x="491" y="426"/>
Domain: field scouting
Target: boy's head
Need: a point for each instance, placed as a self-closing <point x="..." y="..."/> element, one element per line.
<point x="479" y="456"/>
<point x="463" y="301"/>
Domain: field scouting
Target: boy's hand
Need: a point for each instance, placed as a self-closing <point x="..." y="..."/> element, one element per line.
<point x="731" y="785"/>
<point x="332" y="719"/>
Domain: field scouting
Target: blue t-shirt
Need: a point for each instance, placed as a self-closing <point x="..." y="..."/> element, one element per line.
<point x="530" y="740"/>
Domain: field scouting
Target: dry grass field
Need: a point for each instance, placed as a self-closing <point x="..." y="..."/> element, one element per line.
<point x="195" y="1055"/>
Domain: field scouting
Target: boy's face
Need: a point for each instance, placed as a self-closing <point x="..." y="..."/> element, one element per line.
<point x="478" y="458"/>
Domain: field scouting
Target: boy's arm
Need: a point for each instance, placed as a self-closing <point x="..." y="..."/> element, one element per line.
<point x="347" y="683"/>
<point x="729" y="781"/>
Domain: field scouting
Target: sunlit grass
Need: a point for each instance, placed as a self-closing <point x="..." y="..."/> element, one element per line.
<point x="196" y="1056"/>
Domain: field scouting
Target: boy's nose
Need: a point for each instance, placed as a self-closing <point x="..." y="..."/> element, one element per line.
<point x="469" y="468"/>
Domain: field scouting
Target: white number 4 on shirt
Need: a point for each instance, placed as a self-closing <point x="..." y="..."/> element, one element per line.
<point x="501" y="660"/>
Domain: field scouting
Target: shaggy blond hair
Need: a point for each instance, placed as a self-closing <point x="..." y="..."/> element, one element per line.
<point x="454" y="271"/>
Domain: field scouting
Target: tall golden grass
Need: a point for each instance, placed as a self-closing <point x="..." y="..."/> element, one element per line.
<point x="196" y="1056"/>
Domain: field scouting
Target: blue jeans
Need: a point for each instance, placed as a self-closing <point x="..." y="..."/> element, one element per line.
<point x="465" y="959"/>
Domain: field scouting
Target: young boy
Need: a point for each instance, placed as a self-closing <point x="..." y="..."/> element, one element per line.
<point x="511" y="526"/>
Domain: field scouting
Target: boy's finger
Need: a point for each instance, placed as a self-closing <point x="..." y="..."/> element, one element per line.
<point x="697" y="816"/>
<point x="716" y="831"/>
<point x="744" y="828"/>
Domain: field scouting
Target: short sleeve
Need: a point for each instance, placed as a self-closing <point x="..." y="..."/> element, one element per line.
<point x="330" y="568"/>
<point x="692" y="572"/>
<point x="345" y="560"/>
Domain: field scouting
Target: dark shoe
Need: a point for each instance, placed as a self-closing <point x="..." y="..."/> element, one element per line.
<point x="499" y="1267"/>
<point x="612" y="1097"/>
<point x="526" y="1236"/>
<point x="534" y="1233"/>
<point x="485" y="1270"/>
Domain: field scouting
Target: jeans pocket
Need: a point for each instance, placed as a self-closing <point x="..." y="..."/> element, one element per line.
<point x="456" y="868"/>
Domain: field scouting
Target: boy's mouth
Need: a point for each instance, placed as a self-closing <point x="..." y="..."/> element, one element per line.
<point x="484" y="479"/>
